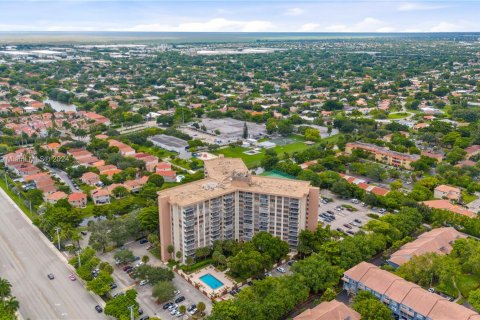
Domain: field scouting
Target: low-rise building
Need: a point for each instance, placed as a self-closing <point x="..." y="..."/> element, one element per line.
<point x="171" y="144"/>
<point x="100" y="196"/>
<point x="472" y="151"/>
<point x="54" y="197"/>
<point x="447" y="192"/>
<point x="393" y="158"/>
<point x="407" y="300"/>
<point x="438" y="241"/>
<point x="78" y="199"/>
<point x="329" y="310"/>
<point x="90" y="178"/>
<point x="447" y="205"/>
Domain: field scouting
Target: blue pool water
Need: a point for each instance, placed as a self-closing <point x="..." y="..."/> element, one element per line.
<point x="211" y="281"/>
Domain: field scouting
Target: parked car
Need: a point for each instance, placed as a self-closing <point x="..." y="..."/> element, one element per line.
<point x="192" y="309"/>
<point x="98" y="308"/>
<point x="143" y="241"/>
<point x="143" y="282"/>
<point x="126" y="268"/>
<point x="113" y="286"/>
<point x="432" y="290"/>
<point x="167" y="305"/>
<point x="50" y="276"/>
<point x="347" y="226"/>
<point x="281" y="270"/>
<point x="72" y="277"/>
<point x="291" y="262"/>
<point x="357" y="221"/>
<point x="179" y="299"/>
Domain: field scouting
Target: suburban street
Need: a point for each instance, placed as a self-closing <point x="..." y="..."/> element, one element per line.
<point x="25" y="260"/>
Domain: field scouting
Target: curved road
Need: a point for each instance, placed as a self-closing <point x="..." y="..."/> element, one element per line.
<point x="26" y="257"/>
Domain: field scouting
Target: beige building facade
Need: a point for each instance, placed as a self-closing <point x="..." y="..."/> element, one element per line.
<point x="230" y="203"/>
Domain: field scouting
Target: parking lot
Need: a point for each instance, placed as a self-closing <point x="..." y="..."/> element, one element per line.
<point x="145" y="299"/>
<point x="345" y="220"/>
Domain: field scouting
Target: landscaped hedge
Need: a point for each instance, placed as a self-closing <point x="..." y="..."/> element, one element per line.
<point x="196" y="266"/>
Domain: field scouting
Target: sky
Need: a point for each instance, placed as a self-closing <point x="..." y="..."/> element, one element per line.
<point x="241" y="16"/>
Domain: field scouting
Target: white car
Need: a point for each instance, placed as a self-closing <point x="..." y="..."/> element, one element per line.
<point x="143" y="282"/>
<point x="281" y="270"/>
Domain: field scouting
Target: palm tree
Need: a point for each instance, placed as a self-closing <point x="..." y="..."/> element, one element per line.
<point x="201" y="307"/>
<point x="5" y="288"/>
<point x="182" y="309"/>
<point x="11" y="305"/>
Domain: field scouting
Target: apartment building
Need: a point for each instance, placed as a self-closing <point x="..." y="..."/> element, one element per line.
<point x="438" y="241"/>
<point x="230" y="203"/>
<point x="407" y="300"/>
<point x="393" y="158"/>
<point x="329" y="310"/>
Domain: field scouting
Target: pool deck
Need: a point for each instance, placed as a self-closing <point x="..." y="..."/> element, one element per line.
<point x="228" y="283"/>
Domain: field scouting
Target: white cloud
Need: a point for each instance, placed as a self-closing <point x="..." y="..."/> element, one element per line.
<point x="446" y="27"/>
<point x="385" y="29"/>
<point x="366" y="25"/>
<point x="309" y="27"/>
<point x="212" y="25"/>
<point x="416" y="6"/>
<point x="294" y="12"/>
<point x="337" y="28"/>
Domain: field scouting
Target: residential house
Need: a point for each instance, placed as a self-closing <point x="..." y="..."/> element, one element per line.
<point x="150" y="161"/>
<point x="78" y="199"/>
<point x="54" y="197"/>
<point x="472" y="151"/>
<point x="90" y="178"/>
<point x="124" y="149"/>
<point x="447" y="192"/>
<point x="135" y="185"/>
<point x="100" y="196"/>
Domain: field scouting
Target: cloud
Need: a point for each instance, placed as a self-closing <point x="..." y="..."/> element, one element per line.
<point x="416" y="6"/>
<point x="294" y="12"/>
<point x="446" y="27"/>
<point x="385" y="29"/>
<point x="212" y="25"/>
<point x="366" y="25"/>
<point x="309" y="27"/>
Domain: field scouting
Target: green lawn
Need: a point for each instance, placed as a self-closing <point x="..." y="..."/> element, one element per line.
<point x="252" y="161"/>
<point x="467" y="198"/>
<point x="467" y="283"/>
<point x="398" y="115"/>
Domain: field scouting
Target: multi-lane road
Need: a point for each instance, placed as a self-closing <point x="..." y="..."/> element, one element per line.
<point x="26" y="257"/>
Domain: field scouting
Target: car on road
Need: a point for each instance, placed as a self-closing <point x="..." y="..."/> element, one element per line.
<point x="179" y="299"/>
<point x="98" y="308"/>
<point x="50" y="276"/>
<point x="72" y="277"/>
<point x="281" y="270"/>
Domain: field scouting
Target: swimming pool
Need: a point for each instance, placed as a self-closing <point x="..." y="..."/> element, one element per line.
<point x="211" y="281"/>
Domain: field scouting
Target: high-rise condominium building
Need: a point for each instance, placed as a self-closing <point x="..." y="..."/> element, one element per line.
<point x="230" y="203"/>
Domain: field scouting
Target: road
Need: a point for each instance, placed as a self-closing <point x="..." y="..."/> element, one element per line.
<point x="25" y="260"/>
<point x="63" y="176"/>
